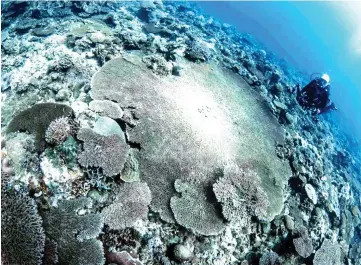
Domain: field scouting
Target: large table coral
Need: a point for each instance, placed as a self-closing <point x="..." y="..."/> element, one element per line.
<point x="191" y="126"/>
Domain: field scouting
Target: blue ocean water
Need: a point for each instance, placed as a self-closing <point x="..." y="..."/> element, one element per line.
<point x="313" y="37"/>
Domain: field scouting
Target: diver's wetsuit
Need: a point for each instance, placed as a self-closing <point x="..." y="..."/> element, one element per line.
<point x="316" y="95"/>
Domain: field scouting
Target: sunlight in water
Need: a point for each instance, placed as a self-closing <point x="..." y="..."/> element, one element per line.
<point x="349" y="13"/>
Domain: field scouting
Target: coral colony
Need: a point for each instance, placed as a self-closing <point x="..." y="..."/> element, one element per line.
<point x="150" y="133"/>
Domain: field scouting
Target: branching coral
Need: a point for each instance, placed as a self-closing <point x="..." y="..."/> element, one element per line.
<point x="240" y="193"/>
<point x="121" y="239"/>
<point x="74" y="232"/>
<point x="96" y="179"/>
<point x="131" y="204"/>
<point x="194" y="211"/>
<point x="37" y="119"/>
<point x="106" y="152"/>
<point x="22" y="234"/>
<point x="58" y="131"/>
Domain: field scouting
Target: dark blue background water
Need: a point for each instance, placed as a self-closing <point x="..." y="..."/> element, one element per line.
<point x="312" y="37"/>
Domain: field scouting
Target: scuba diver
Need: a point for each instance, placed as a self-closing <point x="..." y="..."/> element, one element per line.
<point x="316" y="95"/>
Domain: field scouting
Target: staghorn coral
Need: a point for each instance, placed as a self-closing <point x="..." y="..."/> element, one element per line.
<point x="80" y="187"/>
<point x="37" y="119"/>
<point x="97" y="180"/>
<point x="193" y="211"/>
<point x="58" y="131"/>
<point x="107" y="152"/>
<point x="22" y="234"/>
<point x="130" y="204"/>
<point x="328" y="254"/>
<point x="74" y="232"/>
<point x="240" y="193"/>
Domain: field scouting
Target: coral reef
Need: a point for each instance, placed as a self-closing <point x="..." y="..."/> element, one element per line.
<point x="106" y="126"/>
<point x="329" y="253"/>
<point x="197" y="51"/>
<point x="121" y="258"/>
<point x="180" y="132"/>
<point x="58" y="131"/>
<point x="127" y="238"/>
<point x="158" y="64"/>
<point x="193" y="211"/>
<point x="22" y="233"/>
<point x="241" y="195"/>
<point x="106" y="152"/>
<point x="106" y="108"/>
<point x="37" y="119"/>
<point x="76" y="232"/>
<point x="270" y="258"/>
<point x="96" y="179"/>
<point x="130" y="171"/>
<point x="291" y="196"/>
<point x="130" y="204"/>
<point x="68" y="151"/>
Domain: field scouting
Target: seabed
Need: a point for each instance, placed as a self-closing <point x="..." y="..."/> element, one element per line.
<point x="151" y="133"/>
